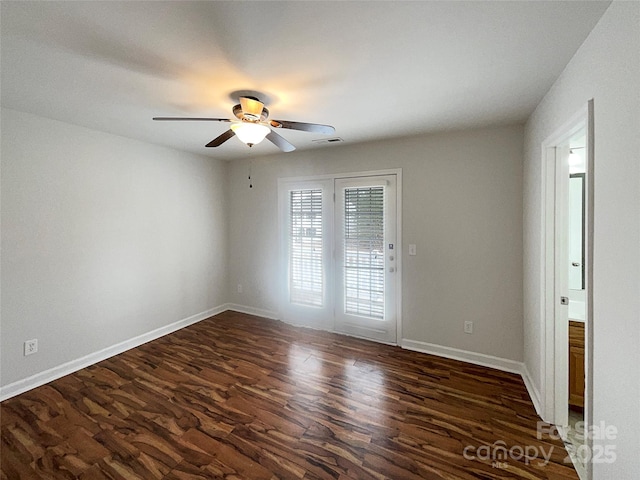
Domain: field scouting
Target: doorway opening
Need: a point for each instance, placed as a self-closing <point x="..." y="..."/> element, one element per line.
<point x="567" y="286"/>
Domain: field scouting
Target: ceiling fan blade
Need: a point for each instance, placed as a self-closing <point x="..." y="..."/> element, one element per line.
<point x="216" y="142"/>
<point x="280" y="142"/>
<point x="194" y="119"/>
<point x="251" y="107"/>
<point x="305" y="127"/>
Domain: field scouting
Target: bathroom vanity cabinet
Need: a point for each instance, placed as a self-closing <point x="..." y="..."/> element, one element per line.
<point x="576" y="364"/>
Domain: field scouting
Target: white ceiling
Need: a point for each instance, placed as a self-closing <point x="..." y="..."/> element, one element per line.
<point x="371" y="69"/>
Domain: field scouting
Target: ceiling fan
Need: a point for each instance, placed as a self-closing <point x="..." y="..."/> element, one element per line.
<point x="252" y="126"/>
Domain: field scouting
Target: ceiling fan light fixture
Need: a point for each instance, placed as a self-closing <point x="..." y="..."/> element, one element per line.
<point x="250" y="133"/>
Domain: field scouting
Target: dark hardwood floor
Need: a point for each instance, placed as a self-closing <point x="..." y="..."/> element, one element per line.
<point x="241" y="397"/>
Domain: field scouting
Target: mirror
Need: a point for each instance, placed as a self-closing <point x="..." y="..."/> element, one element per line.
<point x="576" y="231"/>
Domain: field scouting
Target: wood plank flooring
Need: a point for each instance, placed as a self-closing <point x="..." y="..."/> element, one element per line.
<point x="241" y="397"/>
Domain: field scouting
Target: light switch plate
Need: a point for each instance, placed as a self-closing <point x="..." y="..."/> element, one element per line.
<point x="412" y="249"/>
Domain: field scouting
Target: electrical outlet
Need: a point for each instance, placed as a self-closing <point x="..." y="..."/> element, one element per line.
<point x="239" y="288"/>
<point x="30" y="347"/>
<point x="468" y="327"/>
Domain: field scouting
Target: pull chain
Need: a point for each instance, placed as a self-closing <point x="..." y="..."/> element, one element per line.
<point x="250" y="182"/>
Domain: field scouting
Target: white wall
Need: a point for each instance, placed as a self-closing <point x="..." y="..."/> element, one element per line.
<point x="462" y="207"/>
<point x="607" y="69"/>
<point x="103" y="239"/>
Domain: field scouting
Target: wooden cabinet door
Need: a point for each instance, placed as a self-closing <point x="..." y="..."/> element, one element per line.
<point x="576" y="364"/>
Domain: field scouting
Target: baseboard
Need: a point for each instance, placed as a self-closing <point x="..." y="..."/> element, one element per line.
<point x="503" y="364"/>
<point x="59" y="371"/>
<point x="490" y="361"/>
<point x="531" y="388"/>
<point x="259" y="312"/>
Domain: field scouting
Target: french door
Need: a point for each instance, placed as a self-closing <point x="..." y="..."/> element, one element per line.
<point x="341" y="256"/>
<point x="366" y="257"/>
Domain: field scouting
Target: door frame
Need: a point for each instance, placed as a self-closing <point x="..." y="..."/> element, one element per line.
<point x="285" y="182"/>
<point x="554" y="336"/>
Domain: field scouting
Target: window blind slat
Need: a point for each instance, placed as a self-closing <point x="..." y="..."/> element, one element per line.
<point x="364" y="251"/>
<point x="305" y="247"/>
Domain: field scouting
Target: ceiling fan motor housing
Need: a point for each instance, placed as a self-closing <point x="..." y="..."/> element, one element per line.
<point x="251" y="117"/>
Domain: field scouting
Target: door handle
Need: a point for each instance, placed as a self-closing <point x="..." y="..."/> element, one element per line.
<point x="575" y="264"/>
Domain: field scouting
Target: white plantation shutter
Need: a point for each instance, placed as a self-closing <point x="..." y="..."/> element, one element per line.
<point x="364" y="251"/>
<point x="306" y="285"/>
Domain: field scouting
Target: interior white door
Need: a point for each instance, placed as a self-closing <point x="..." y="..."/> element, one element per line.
<point x="561" y="279"/>
<point x="366" y="257"/>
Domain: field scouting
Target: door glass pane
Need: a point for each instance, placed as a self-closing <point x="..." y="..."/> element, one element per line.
<point x="364" y="252"/>
<point x="305" y="248"/>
